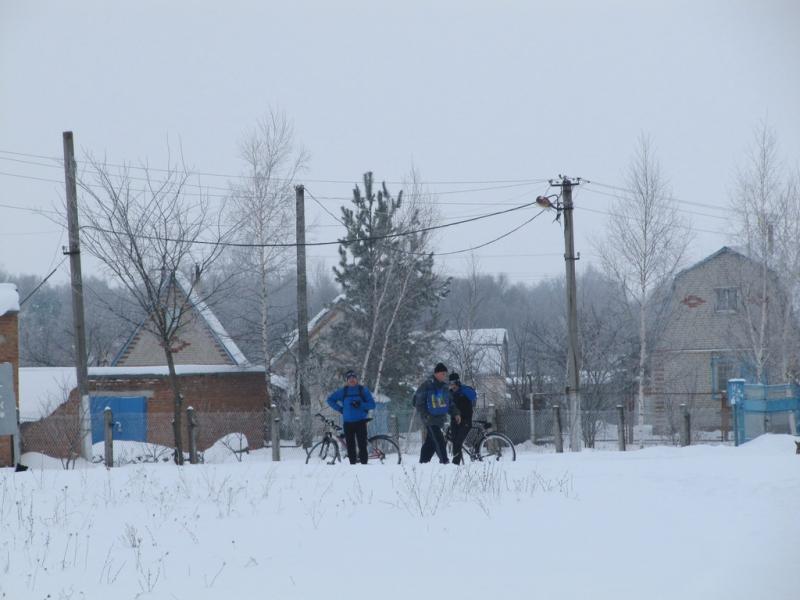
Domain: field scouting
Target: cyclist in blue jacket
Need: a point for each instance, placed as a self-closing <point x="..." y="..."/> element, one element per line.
<point x="353" y="401"/>
<point x="432" y="401"/>
<point x="465" y="398"/>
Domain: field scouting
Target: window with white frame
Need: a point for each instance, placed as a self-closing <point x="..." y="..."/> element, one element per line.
<point x="726" y="299"/>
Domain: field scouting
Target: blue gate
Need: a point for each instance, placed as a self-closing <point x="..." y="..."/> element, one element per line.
<point x="129" y="413"/>
<point x="759" y="408"/>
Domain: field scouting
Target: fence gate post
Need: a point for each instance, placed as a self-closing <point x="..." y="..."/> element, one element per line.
<point x="533" y="422"/>
<point x="557" y="428"/>
<point x="394" y="429"/>
<point x="276" y="433"/>
<point x="191" y="423"/>
<point x="621" y="427"/>
<point x="686" y="427"/>
<point x="108" y="435"/>
<point x="493" y="417"/>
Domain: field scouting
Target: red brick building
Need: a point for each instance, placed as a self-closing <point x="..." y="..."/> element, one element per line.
<point x="228" y="394"/>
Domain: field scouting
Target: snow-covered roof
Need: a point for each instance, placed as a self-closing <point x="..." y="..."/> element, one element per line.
<point x="279" y="381"/>
<point x="9" y="298"/>
<point x="211" y="320"/>
<point x="312" y="323"/>
<point x="43" y="389"/>
<point x="477" y="337"/>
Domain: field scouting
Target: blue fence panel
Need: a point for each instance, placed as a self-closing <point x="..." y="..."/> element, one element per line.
<point x="129" y="417"/>
<point x="754" y="403"/>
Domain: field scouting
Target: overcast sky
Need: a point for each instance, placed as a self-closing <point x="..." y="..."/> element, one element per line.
<point x="468" y="92"/>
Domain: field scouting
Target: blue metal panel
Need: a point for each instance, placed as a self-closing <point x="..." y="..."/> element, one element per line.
<point x="129" y="413"/>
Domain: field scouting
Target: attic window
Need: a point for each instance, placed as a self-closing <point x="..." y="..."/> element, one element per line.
<point x="726" y="299"/>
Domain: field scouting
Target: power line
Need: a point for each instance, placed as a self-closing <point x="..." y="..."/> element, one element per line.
<point x="239" y="176"/>
<point x="233" y="193"/>
<point x="618" y="216"/>
<point x="492" y="241"/>
<point x="671" y="198"/>
<point x="36" y="289"/>
<point x="29" y="209"/>
<point x="323" y="207"/>
<point x="294" y="245"/>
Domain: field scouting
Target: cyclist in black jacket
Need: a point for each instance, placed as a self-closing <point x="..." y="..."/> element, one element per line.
<point x="432" y="401"/>
<point x="465" y="398"/>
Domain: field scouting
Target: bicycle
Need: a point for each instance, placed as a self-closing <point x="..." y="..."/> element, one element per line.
<point x="329" y="450"/>
<point x="483" y="444"/>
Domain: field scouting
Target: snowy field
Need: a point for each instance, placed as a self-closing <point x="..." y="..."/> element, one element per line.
<point x="702" y="522"/>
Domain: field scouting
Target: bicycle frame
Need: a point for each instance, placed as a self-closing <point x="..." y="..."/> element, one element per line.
<point x="335" y="433"/>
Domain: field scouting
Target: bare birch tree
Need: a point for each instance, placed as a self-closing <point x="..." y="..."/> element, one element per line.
<point x="645" y="243"/>
<point x="406" y="252"/>
<point x="766" y="204"/>
<point x="263" y="212"/>
<point x="468" y="355"/>
<point x="145" y="229"/>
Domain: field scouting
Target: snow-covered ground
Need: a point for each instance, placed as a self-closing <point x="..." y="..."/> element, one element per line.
<point x="702" y="522"/>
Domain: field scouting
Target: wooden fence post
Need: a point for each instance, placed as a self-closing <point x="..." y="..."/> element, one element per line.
<point x="108" y="435"/>
<point x="557" y="428"/>
<point x="621" y="427"/>
<point x="686" y="428"/>
<point x="493" y="416"/>
<point x="533" y="421"/>
<point x="276" y="433"/>
<point x="191" y="423"/>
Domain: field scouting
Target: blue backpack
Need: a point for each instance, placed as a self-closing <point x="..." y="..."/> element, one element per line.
<point x="438" y="402"/>
<point x="470" y="393"/>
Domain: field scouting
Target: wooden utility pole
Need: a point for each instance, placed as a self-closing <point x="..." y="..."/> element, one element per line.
<point x="302" y="317"/>
<point x="573" y="358"/>
<point x="74" y="252"/>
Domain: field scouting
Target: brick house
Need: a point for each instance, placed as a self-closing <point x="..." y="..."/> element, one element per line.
<point x="226" y="391"/>
<point x="710" y="331"/>
<point x="9" y="352"/>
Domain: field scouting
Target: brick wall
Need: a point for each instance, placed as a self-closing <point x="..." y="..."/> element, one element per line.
<point x="223" y="402"/>
<point x="9" y="352"/>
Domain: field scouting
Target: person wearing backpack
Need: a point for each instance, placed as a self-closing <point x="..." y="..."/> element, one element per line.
<point x="353" y="401"/>
<point x="465" y="398"/>
<point x="433" y="402"/>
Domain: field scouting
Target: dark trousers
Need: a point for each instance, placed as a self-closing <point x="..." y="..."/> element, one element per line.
<point x="459" y="434"/>
<point x="434" y="442"/>
<point x="356" y="432"/>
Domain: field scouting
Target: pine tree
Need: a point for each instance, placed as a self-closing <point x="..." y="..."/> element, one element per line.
<point x="391" y="291"/>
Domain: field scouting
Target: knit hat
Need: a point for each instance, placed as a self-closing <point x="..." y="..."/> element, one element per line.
<point x="351" y="373"/>
<point x="454" y="378"/>
<point x="439" y="368"/>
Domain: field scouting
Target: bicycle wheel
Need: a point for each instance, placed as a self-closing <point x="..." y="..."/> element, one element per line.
<point x="383" y="450"/>
<point x="326" y="451"/>
<point x="496" y="446"/>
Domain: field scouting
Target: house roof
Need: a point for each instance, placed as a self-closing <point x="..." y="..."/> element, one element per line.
<point x="9" y="298"/>
<point x="710" y="257"/>
<point x="212" y="322"/>
<point x="477" y="337"/>
<point x="207" y="316"/>
<point x="313" y="323"/>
